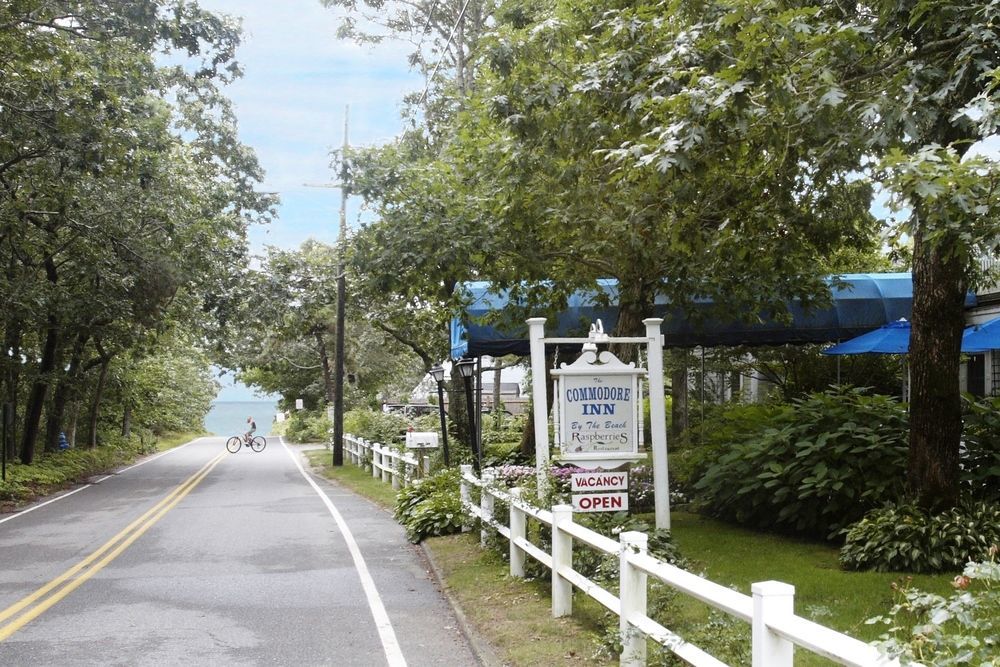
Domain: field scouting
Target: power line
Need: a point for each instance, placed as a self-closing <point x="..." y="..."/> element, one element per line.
<point x="461" y="15"/>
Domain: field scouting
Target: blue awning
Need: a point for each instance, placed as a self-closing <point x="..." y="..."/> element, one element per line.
<point x="863" y="302"/>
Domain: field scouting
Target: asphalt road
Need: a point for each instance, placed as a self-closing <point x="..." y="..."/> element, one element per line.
<point x="201" y="557"/>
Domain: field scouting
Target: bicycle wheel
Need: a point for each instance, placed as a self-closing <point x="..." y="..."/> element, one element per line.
<point x="233" y="444"/>
<point x="258" y="443"/>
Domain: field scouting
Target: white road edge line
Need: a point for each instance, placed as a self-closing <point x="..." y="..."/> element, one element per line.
<point x="393" y="653"/>
<point x="87" y="486"/>
<point x="47" y="502"/>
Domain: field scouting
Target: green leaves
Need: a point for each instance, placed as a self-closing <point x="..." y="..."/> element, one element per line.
<point x="904" y="538"/>
<point x="814" y="468"/>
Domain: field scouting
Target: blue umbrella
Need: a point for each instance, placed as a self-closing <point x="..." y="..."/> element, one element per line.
<point x="894" y="338"/>
<point x="982" y="337"/>
<point x="891" y="338"/>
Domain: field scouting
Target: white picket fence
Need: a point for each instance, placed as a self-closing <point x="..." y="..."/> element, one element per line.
<point x="387" y="463"/>
<point x="775" y="629"/>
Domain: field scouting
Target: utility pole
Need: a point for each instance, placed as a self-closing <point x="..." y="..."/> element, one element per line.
<point x="338" y="381"/>
<point x="338" y="349"/>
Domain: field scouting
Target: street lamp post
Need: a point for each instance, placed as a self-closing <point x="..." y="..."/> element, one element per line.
<point x="466" y="367"/>
<point x="438" y="374"/>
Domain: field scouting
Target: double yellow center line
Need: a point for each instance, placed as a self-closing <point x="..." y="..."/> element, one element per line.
<point x="34" y="605"/>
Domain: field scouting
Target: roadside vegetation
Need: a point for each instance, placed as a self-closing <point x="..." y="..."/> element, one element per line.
<point x="57" y="471"/>
<point x="813" y="547"/>
<point x="125" y="199"/>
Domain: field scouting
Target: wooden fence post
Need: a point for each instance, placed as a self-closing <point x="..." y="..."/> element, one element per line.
<point x="518" y="530"/>
<point x="562" y="557"/>
<point x="771" y="599"/>
<point x="632" y="593"/>
<point x="376" y="458"/>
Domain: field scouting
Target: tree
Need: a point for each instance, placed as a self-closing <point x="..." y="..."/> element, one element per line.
<point x="113" y="202"/>
<point x="755" y="120"/>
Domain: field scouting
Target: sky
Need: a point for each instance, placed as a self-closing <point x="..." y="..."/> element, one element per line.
<point x="290" y="105"/>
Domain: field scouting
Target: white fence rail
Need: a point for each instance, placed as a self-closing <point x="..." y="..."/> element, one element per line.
<point x="386" y="463"/>
<point x="775" y="629"/>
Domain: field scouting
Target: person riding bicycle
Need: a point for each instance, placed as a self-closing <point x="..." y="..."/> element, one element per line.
<point x="252" y="426"/>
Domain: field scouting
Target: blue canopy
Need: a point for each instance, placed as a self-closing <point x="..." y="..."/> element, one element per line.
<point x="863" y="302"/>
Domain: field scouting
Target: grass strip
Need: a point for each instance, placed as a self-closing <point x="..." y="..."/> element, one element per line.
<point x="171" y="440"/>
<point x="354" y="478"/>
<point x="515" y="615"/>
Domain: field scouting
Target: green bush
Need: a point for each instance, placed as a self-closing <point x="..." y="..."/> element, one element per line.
<point x="905" y="538"/>
<point x="700" y="446"/>
<point x="981" y="448"/>
<point x="431" y="506"/>
<point x="53" y="471"/>
<point x="308" y="426"/>
<point x="816" y="468"/>
<point x="962" y="629"/>
<point x="381" y="427"/>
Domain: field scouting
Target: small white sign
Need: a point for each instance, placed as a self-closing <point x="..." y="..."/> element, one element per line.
<point x="600" y="502"/>
<point x="298" y="404"/>
<point x="421" y="439"/>
<point x="599" y="481"/>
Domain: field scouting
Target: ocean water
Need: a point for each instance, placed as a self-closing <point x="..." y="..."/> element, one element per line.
<point x="230" y="417"/>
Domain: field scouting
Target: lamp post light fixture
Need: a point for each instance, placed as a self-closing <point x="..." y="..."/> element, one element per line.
<point x="438" y="374"/>
<point x="466" y="367"/>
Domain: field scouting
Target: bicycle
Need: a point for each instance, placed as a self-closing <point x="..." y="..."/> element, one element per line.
<point x="257" y="443"/>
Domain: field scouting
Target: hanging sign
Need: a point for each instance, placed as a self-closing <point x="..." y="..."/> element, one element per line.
<point x="598" y="481"/>
<point x="600" y="502"/>
<point x="598" y="410"/>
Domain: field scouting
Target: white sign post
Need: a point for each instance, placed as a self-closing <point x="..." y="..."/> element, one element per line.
<point x="598" y="408"/>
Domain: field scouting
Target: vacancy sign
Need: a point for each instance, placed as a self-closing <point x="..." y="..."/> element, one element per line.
<point x="603" y="491"/>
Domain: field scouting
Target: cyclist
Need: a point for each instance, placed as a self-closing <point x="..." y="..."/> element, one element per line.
<point x="251" y="426"/>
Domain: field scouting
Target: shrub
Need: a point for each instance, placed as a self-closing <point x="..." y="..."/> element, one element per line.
<point x="905" y="538"/>
<point x="962" y="629"/>
<point x="816" y="469"/>
<point x="981" y="448"/>
<point x="308" y="426"/>
<point x="374" y="425"/>
<point x="431" y="506"/>
<point x="699" y="447"/>
<point x="52" y="471"/>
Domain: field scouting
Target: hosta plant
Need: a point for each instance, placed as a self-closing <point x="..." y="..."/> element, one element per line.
<point x="906" y="538"/>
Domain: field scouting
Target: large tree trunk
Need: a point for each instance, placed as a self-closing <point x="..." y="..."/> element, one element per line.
<point x="39" y="389"/>
<point x="74" y="414"/>
<point x="127" y="421"/>
<point x="528" y="434"/>
<point x="12" y="380"/>
<point x="54" y="413"/>
<point x="95" y="404"/>
<point x="939" y="289"/>
<point x="57" y="411"/>
<point x="635" y="303"/>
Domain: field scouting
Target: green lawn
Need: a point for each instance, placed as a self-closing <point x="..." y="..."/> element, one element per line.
<point x="842" y="600"/>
